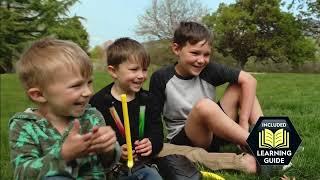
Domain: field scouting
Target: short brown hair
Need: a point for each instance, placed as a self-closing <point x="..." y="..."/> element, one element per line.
<point x="43" y="59"/>
<point x="124" y="49"/>
<point x="191" y="32"/>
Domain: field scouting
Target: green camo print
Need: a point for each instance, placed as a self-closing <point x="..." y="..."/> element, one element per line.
<point x="35" y="147"/>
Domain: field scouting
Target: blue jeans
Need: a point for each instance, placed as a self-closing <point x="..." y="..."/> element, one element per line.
<point x="144" y="173"/>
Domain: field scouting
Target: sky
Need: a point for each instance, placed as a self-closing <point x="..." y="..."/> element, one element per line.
<point x="112" y="19"/>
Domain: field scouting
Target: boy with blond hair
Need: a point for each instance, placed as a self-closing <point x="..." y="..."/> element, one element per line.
<point x="127" y="63"/>
<point x="63" y="137"/>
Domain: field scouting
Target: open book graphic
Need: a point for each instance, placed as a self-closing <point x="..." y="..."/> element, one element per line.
<point x="279" y="139"/>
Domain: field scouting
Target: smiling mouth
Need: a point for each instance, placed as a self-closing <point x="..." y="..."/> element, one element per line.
<point x="138" y="83"/>
<point x="80" y="103"/>
<point x="198" y="67"/>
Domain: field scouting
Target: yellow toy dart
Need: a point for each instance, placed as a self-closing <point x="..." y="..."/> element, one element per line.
<point x="127" y="130"/>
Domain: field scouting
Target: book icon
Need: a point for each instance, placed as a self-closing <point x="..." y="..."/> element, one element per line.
<point x="278" y="139"/>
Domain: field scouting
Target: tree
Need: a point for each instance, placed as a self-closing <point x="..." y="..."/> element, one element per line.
<point x="259" y="29"/>
<point x="306" y="8"/>
<point x="97" y="53"/>
<point x="71" y="29"/>
<point x="308" y="13"/>
<point x="160" y="52"/>
<point x="160" y="20"/>
<point x="26" y="21"/>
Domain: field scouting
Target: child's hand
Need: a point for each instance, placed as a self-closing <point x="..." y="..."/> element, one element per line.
<point x="143" y="147"/>
<point x="75" y="145"/>
<point x="103" y="139"/>
<point x="124" y="152"/>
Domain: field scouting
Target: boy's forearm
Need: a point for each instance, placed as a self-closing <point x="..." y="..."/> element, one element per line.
<point x="248" y="90"/>
<point x="245" y="111"/>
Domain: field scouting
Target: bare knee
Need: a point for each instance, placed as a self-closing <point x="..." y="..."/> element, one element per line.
<point x="205" y="107"/>
<point x="197" y="124"/>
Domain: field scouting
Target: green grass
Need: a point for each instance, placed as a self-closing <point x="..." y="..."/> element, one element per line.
<point x="294" y="95"/>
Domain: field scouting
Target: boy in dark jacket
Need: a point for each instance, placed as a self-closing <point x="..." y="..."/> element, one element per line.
<point x="127" y="64"/>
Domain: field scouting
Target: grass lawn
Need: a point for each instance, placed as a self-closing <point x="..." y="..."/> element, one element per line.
<point x="294" y="95"/>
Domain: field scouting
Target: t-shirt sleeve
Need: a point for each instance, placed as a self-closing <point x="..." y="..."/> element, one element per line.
<point x="218" y="74"/>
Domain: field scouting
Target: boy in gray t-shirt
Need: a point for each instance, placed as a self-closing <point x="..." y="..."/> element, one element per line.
<point x="186" y="93"/>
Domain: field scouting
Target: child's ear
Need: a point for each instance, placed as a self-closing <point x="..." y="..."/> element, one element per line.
<point x="36" y="95"/>
<point x="112" y="71"/>
<point x="175" y="48"/>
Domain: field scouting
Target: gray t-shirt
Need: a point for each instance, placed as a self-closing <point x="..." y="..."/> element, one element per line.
<point x="176" y="95"/>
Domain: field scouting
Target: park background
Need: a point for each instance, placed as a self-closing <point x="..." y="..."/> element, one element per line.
<point x="278" y="41"/>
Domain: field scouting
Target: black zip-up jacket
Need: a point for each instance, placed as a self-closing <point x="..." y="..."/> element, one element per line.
<point x="103" y="99"/>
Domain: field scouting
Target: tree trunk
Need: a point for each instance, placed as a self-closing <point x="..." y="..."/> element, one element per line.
<point x="241" y="63"/>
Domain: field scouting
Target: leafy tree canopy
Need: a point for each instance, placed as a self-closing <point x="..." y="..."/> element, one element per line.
<point x="23" y="21"/>
<point x="259" y="29"/>
<point x="308" y="13"/>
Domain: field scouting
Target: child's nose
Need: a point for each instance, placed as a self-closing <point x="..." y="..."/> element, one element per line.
<point x="141" y="74"/>
<point x="201" y="59"/>
<point x="87" y="91"/>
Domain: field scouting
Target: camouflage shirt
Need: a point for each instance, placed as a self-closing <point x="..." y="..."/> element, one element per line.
<point x="35" y="148"/>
